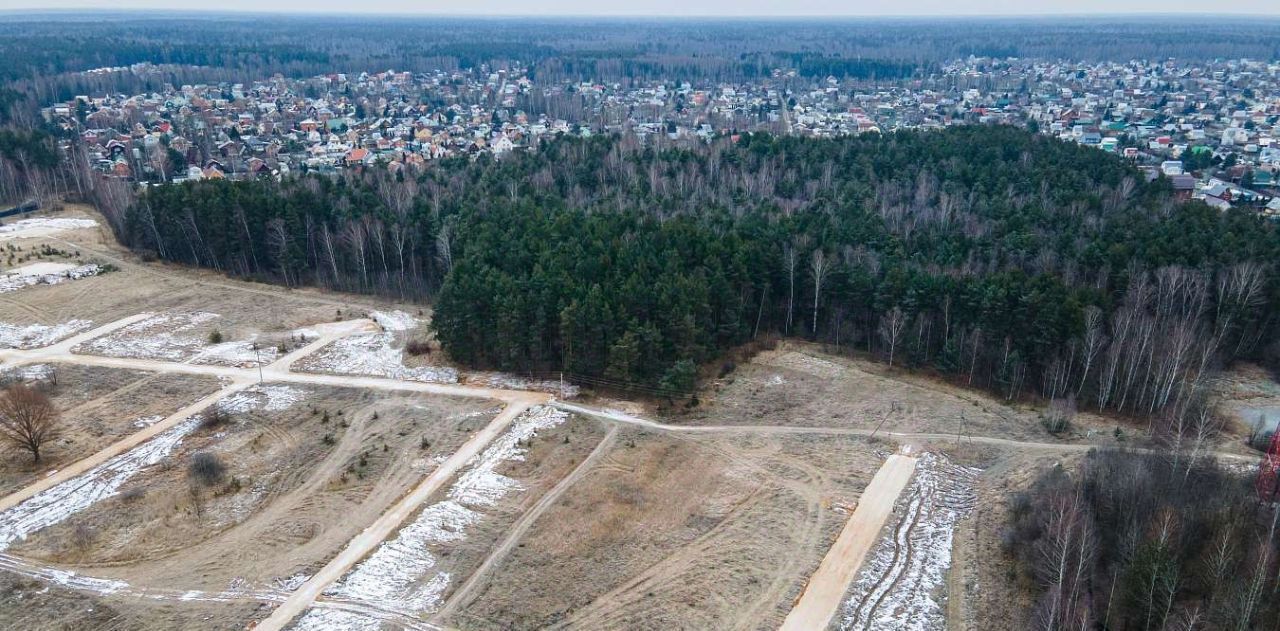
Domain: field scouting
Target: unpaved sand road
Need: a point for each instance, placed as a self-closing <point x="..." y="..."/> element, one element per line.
<point x="901" y="437"/>
<point x="821" y="598"/>
<point x="371" y="537"/>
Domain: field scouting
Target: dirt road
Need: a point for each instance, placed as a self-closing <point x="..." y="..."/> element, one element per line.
<point x="821" y="598"/>
<point x="371" y="537"/>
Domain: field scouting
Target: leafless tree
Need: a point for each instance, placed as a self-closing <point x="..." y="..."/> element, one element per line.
<point x="891" y="325"/>
<point x="818" y="266"/>
<point x="789" y="259"/>
<point x="28" y="419"/>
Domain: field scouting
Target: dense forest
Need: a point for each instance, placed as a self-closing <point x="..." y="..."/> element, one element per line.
<point x="1007" y="260"/>
<point x="1144" y="541"/>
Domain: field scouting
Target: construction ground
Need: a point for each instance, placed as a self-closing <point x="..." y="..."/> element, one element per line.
<point x="361" y="487"/>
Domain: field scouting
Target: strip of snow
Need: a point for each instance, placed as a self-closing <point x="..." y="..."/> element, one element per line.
<point x="900" y="582"/>
<point x="273" y="398"/>
<point x="389" y="575"/>
<point x="42" y="226"/>
<point x="56" y="504"/>
<point x="39" y="335"/>
<point x="395" y="320"/>
<point x="166" y="336"/>
<point x="371" y="354"/>
<point x="44" y="274"/>
<point x="64" y="578"/>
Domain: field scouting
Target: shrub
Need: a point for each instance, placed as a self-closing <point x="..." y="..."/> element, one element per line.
<point x="215" y="337"/>
<point x="418" y="347"/>
<point x="1057" y="419"/>
<point x="206" y="468"/>
<point x="214" y="416"/>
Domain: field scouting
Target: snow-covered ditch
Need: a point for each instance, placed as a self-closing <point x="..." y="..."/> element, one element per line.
<point x="60" y="502"/>
<point x="39" y="335"/>
<point x="392" y="577"/>
<point x="900" y="582"/>
<point x="42" y="226"/>
<point x="44" y="274"/>
<point x="372" y="355"/>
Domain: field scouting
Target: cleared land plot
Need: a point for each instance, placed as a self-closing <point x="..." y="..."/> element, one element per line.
<point x="672" y="532"/>
<point x="99" y="406"/>
<point x="798" y="385"/>
<point x="305" y="469"/>
<point x="411" y="573"/>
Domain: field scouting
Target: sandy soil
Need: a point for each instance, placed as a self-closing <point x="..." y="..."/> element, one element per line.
<point x="671" y="532"/>
<point x="300" y="482"/>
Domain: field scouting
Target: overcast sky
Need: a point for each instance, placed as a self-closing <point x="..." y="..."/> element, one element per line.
<point x="683" y="7"/>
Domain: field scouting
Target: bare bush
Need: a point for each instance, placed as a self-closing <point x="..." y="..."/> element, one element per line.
<point x="206" y="469"/>
<point x="418" y="347"/>
<point x="214" y="416"/>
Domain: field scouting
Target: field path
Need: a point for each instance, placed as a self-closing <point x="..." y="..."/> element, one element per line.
<point x="368" y="539"/>
<point x="821" y="597"/>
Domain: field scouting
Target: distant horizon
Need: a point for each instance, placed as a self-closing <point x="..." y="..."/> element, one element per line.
<point x="394" y="8"/>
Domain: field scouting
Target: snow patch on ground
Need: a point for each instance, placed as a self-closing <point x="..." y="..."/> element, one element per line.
<point x="273" y="398"/>
<point x="28" y="374"/>
<point x="147" y="421"/>
<point x="371" y="355"/>
<point x="389" y="575"/>
<point x="164" y="336"/>
<point x="56" y="504"/>
<point x="44" y="274"/>
<point x="394" y="320"/>
<point x="334" y="620"/>
<point x="899" y="585"/>
<point x="39" y="335"/>
<point x="505" y="381"/>
<point x="240" y="354"/>
<point x="42" y="226"/>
